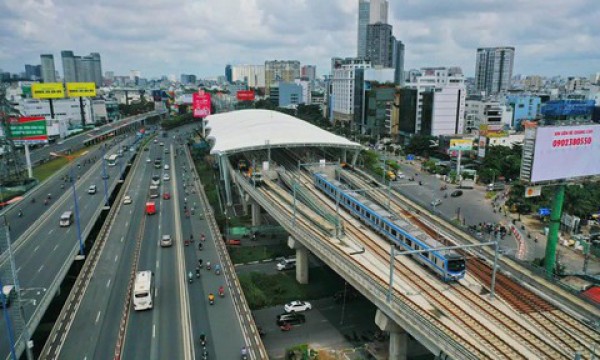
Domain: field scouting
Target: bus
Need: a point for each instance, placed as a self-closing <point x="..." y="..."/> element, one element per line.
<point x="143" y="289"/>
<point x="112" y="160"/>
<point x="66" y="219"/>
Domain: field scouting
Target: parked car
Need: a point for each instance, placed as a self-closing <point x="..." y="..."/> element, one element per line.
<point x="127" y="200"/>
<point x="296" y="306"/>
<point x="290" y="318"/>
<point x="92" y="189"/>
<point x="286" y="264"/>
<point x="166" y="240"/>
<point x="456" y="193"/>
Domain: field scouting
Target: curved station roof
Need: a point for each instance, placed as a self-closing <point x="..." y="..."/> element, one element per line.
<point x="254" y="129"/>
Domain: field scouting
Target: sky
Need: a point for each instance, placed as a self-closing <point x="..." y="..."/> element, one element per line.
<point x="551" y="37"/>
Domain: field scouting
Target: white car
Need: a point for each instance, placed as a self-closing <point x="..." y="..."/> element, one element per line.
<point x="166" y="177"/>
<point x="297" y="306"/>
<point x="148" y="160"/>
<point x="92" y="189"/>
<point x="167" y="167"/>
<point x="400" y="175"/>
<point x="127" y="200"/>
<point x="436" y="202"/>
<point x="166" y="241"/>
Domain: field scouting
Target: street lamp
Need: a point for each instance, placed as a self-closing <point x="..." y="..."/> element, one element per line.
<point x="104" y="175"/>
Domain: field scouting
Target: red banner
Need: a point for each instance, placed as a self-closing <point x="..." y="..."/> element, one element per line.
<point x="245" y="95"/>
<point x="201" y="104"/>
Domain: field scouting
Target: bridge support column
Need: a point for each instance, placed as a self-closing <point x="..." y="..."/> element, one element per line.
<point x="301" y="260"/>
<point x="256" y="218"/>
<point x="398" y="337"/>
<point x="224" y="161"/>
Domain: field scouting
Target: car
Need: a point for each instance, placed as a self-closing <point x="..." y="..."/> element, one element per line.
<point x="234" y="242"/>
<point x="166" y="196"/>
<point x="456" y="193"/>
<point x="155" y="180"/>
<point x="155" y="141"/>
<point x="290" y="318"/>
<point x="286" y="264"/>
<point x="166" y="177"/>
<point x="400" y="175"/>
<point x="297" y="306"/>
<point x="92" y="189"/>
<point x="127" y="200"/>
<point x="166" y="240"/>
<point x="148" y="160"/>
<point x="436" y="202"/>
<point x="162" y="143"/>
<point x="105" y="176"/>
<point x="167" y="167"/>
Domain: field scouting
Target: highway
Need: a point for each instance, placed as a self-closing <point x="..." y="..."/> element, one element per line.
<point x="42" y="249"/>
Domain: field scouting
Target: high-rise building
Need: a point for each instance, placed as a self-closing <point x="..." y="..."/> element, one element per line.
<point x="379" y="44"/>
<point x="285" y="70"/>
<point x="398" y="62"/>
<point x="344" y="87"/>
<point x="96" y="71"/>
<point x="363" y="21"/>
<point x="309" y="72"/>
<point x="32" y="72"/>
<point x="378" y="12"/>
<point x="252" y="75"/>
<point x="48" y="70"/>
<point x="68" y="64"/>
<point x="369" y="12"/>
<point x="493" y="69"/>
<point x="228" y="73"/>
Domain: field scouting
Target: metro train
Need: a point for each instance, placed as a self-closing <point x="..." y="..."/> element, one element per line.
<point x="448" y="264"/>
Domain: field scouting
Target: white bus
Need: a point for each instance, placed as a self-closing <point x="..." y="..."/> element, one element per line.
<point x="112" y="160"/>
<point x="66" y="219"/>
<point x="143" y="290"/>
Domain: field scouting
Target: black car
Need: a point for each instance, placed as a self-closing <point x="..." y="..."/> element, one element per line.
<point x="290" y="318"/>
<point x="456" y="193"/>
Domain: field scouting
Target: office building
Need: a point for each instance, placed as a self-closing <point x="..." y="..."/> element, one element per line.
<point x="398" y="62"/>
<point x="309" y="72"/>
<point x="343" y="88"/>
<point x="369" y="12"/>
<point x="377" y="100"/>
<point x="33" y="72"/>
<point x="188" y="79"/>
<point x="484" y="114"/>
<point x="493" y="69"/>
<point x="378" y="12"/>
<point x="48" y="70"/>
<point x="285" y="94"/>
<point x="380" y="44"/>
<point x="307" y="87"/>
<point x="285" y="70"/>
<point x="524" y="108"/>
<point x="229" y="73"/>
<point x="96" y="71"/>
<point x="68" y="64"/>
<point x="251" y="75"/>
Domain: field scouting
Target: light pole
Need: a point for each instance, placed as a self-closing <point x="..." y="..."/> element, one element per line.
<point x="77" y="222"/>
<point x="104" y="176"/>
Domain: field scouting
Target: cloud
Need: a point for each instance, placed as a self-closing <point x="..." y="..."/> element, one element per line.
<point x="201" y="36"/>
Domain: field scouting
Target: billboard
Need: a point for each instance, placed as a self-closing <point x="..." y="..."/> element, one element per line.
<point x="461" y="144"/>
<point x="482" y="145"/>
<point x="81" y="89"/>
<point x="201" y="103"/>
<point x="30" y="129"/>
<point x="245" y="95"/>
<point x="565" y="152"/>
<point x="47" y="91"/>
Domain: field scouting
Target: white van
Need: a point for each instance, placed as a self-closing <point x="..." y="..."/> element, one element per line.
<point x="286" y="264"/>
<point x="66" y="219"/>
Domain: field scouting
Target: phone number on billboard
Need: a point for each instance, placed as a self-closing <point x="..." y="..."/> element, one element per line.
<point x="572" y="142"/>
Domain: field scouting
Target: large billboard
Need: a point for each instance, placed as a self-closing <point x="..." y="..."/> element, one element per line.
<point x="81" y="89"/>
<point x="30" y="129"/>
<point x="461" y="144"/>
<point x="47" y="91"/>
<point x="565" y="152"/>
<point x="201" y="104"/>
<point x="245" y="95"/>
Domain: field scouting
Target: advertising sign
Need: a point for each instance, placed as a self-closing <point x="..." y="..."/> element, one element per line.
<point x="245" y="95"/>
<point x="565" y="152"/>
<point x="47" y="91"/>
<point x="28" y="129"/>
<point x="81" y="89"/>
<point x="533" y="191"/>
<point x="201" y="102"/>
<point x="460" y="144"/>
<point x="482" y="145"/>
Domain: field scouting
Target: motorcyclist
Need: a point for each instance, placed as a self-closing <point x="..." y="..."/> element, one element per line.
<point x="33" y="200"/>
<point x="221" y="290"/>
<point x="190" y="276"/>
<point x="244" y="351"/>
<point x="191" y="237"/>
<point x="211" y="298"/>
<point x="208" y="265"/>
<point x="202" y="237"/>
<point x="20" y="213"/>
<point x="198" y="271"/>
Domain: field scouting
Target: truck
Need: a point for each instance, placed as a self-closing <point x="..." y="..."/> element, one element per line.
<point x="150" y="208"/>
<point x="467" y="183"/>
<point x="153" y="193"/>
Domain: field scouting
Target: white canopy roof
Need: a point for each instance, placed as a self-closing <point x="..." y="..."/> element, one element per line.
<point x="244" y="130"/>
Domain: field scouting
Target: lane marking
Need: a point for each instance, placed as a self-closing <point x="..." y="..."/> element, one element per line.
<point x="153" y="331"/>
<point x="98" y="316"/>
<point x="116" y="257"/>
<point x="55" y="247"/>
<point x="122" y="238"/>
<point x="36" y="248"/>
<point x="157" y="264"/>
<point x="50" y="232"/>
<point x="41" y="267"/>
<point x="108" y="283"/>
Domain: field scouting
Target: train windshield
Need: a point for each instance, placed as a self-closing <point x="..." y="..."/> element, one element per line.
<point x="456" y="265"/>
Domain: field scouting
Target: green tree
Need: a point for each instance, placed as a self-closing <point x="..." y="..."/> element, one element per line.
<point x="420" y="145"/>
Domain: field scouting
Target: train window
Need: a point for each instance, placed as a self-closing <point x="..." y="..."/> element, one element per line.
<point x="456" y="265"/>
<point x="408" y="242"/>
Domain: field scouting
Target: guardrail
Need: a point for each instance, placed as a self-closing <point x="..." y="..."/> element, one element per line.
<point x="253" y="340"/>
<point x="396" y="309"/>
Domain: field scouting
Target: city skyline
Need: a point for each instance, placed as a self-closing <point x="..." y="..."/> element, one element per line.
<point x="127" y="35"/>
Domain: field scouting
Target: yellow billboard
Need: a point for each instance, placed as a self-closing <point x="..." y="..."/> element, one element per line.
<point x="461" y="144"/>
<point x="81" y="89"/>
<point x="47" y="91"/>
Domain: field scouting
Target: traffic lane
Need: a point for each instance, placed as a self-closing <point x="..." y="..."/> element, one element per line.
<point x="107" y="288"/>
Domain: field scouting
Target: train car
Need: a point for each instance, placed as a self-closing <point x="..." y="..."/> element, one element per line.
<point x="449" y="265"/>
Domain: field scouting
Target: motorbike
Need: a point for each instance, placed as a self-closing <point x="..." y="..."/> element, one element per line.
<point x="186" y="242"/>
<point x="202" y="340"/>
<point x="20" y="213"/>
<point x="208" y="265"/>
<point x="285" y="327"/>
<point x="211" y="299"/>
<point x="33" y="200"/>
<point x="218" y="269"/>
<point x="190" y="277"/>
<point x="198" y="272"/>
<point x="221" y="292"/>
<point x="200" y="246"/>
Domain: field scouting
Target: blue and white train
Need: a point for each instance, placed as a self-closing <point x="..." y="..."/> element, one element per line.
<point x="448" y="264"/>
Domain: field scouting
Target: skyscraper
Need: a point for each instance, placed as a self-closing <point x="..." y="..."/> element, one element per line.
<point x="378" y="12"/>
<point x="48" y="70"/>
<point x="276" y="70"/>
<point x="96" y="72"/>
<point x="68" y="64"/>
<point x="309" y="71"/>
<point x="398" y="61"/>
<point x="363" y="21"/>
<point x="493" y="69"/>
<point x="379" y="44"/>
<point x="228" y="73"/>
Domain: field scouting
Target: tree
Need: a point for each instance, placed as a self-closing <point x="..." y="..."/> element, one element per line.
<point x="420" y="145"/>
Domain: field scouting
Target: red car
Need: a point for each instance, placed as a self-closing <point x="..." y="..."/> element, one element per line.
<point x="166" y="196"/>
<point x="236" y="242"/>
